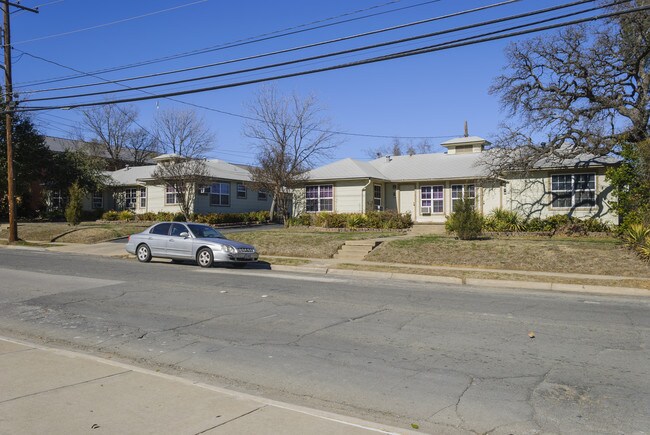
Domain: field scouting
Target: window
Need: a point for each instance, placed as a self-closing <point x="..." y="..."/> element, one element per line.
<point x="58" y="199"/>
<point x="460" y="191"/>
<point x="220" y="194"/>
<point x="172" y="196"/>
<point x="320" y="198"/>
<point x="573" y="190"/>
<point x="377" y="197"/>
<point x="162" y="229"/>
<point x="262" y="196"/>
<point x="130" y="196"/>
<point x="241" y="191"/>
<point x="98" y="200"/>
<point x="143" y="197"/>
<point x="432" y="196"/>
<point x="177" y="229"/>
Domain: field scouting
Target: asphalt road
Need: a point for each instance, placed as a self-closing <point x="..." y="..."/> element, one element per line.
<point x="450" y="359"/>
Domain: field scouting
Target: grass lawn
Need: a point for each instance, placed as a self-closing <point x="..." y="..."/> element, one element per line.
<point x="292" y="242"/>
<point x="596" y="256"/>
<point x="86" y="232"/>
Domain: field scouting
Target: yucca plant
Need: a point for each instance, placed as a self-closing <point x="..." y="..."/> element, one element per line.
<point x="636" y="235"/>
<point x="501" y="219"/>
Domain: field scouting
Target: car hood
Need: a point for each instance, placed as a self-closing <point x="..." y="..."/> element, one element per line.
<point x="232" y="243"/>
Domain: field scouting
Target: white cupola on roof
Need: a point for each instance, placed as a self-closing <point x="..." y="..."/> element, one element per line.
<point x="466" y="144"/>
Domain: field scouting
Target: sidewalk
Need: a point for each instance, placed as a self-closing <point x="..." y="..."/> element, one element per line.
<point x="115" y="249"/>
<point x="51" y="391"/>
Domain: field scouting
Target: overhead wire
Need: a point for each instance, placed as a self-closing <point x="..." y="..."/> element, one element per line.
<point x="246" y="41"/>
<point x="398" y="55"/>
<point x="351" y="50"/>
<point x="286" y="50"/>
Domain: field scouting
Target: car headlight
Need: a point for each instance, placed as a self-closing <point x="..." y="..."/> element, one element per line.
<point x="224" y="248"/>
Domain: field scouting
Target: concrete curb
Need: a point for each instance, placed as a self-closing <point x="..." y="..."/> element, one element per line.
<point x="494" y="283"/>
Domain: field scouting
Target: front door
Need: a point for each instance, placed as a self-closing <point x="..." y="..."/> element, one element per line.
<point x="407" y="199"/>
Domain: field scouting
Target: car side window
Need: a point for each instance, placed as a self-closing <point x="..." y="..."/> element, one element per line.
<point x="177" y="229"/>
<point x="162" y="229"/>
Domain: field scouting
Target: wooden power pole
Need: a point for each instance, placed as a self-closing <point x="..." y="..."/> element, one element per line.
<point x="9" y="107"/>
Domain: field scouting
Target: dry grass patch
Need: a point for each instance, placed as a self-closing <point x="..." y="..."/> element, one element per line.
<point x="633" y="283"/>
<point x="86" y="232"/>
<point x="596" y="256"/>
<point x="290" y="242"/>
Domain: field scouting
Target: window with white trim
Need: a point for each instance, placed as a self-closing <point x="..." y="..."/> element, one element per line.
<point x="143" y="197"/>
<point x="98" y="200"/>
<point x="130" y="198"/>
<point x="376" y="202"/>
<point x="172" y="196"/>
<point x="432" y="199"/>
<point x="241" y="191"/>
<point x="320" y="198"/>
<point x="573" y="190"/>
<point x="220" y="194"/>
<point x="460" y="191"/>
<point x="262" y="195"/>
<point x="58" y="199"/>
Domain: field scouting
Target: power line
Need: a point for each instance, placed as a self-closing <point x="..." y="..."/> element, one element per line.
<point x="246" y="41"/>
<point x="398" y="55"/>
<point x="283" y="51"/>
<point x="352" y="50"/>
<point x="71" y="32"/>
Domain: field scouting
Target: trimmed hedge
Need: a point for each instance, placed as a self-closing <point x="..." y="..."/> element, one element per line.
<point x="500" y="220"/>
<point x="387" y="220"/>
<point x="211" y="218"/>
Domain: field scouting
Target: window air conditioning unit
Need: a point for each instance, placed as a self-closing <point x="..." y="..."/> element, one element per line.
<point x="426" y="210"/>
<point x="204" y="190"/>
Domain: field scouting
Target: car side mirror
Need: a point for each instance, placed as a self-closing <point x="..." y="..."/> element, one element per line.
<point x="184" y="234"/>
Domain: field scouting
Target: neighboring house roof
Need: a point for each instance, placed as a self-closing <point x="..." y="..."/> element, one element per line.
<point x="59" y="145"/>
<point x="346" y="169"/>
<point x="217" y="169"/>
<point x="465" y="140"/>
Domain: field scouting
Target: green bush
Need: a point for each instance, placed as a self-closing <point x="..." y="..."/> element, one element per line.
<point x="466" y="222"/>
<point x="75" y="204"/>
<point x="148" y="216"/>
<point x="179" y="217"/>
<point x="111" y="215"/>
<point x="355" y="220"/>
<point x="504" y="220"/>
<point x="126" y="215"/>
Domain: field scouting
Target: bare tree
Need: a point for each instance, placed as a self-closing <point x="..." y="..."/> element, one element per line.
<point x="584" y="90"/>
<point x="184" y="135"/>
<point x="111" y="126"/>
<point x="291" y="136"/>
<point x="142" y="145"/>
<point x="182" y="132"/>
<point x="400" y="148"/>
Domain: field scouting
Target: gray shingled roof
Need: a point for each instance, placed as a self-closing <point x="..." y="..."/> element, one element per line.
<point x="129" y="176"/>
<point x="346" y="169"/>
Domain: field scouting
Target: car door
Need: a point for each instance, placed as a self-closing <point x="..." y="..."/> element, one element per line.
<point x="178" y="246"/>
<point x="157" y="239"/>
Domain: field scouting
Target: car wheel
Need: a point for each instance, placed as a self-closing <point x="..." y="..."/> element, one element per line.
<point x="239" y="265"/>
<point x="143" y="253"/>
<point x="204" y="257"/>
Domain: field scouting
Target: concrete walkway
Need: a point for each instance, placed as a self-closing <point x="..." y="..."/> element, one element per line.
<point x="51" y="391"/>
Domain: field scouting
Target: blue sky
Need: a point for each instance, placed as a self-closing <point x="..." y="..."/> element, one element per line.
<point x="427" y="95"/>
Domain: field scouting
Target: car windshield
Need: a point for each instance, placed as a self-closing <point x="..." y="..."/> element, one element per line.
<point x="205" y="232"/>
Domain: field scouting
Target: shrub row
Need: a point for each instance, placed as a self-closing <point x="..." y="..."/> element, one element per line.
<point x="211" y="218"/>
<point x="372" y="219"/>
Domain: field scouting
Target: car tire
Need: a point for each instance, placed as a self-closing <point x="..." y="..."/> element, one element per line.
<point x="143" y="253"/>
<point x="204" y="257"/>
<point x="238" y="265"/>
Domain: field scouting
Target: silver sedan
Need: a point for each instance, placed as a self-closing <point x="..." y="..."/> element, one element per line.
<point x="189" y="241"/>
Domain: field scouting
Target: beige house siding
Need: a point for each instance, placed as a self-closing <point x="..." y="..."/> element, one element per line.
<point x="237" y="205"/>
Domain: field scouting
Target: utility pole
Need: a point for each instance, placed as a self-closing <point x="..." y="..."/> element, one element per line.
<point x="9" y="107"/>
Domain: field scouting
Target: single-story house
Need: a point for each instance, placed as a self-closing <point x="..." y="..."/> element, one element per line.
<point x="134" y="188"/>
<point x="428" y="185"/>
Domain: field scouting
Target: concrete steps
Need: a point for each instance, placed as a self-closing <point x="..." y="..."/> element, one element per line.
<point x="356" y="249"/>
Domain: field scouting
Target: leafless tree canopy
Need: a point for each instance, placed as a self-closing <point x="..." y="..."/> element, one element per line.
<point x="399" y="148"/>
<point x="112" y="127"/>
<point x="585" y="89"/>
<point x="291" y="137"/>
<point x="183" y="132"/>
